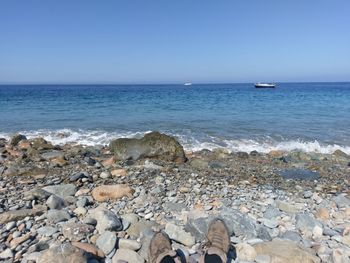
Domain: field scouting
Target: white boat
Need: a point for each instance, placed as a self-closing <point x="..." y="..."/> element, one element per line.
<point x="188" y="84"/>
<point x="265" y="85"/>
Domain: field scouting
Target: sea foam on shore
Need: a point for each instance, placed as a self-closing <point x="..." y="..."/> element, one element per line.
<point x="190" y="141"/>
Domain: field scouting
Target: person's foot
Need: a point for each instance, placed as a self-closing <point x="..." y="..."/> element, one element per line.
<point x="218" y="242"/>
<point x="160" y="249"/>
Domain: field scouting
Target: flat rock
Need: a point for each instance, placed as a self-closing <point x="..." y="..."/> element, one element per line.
<point x="62" y="190"/>
<point x="174" y="207"/>
<point x="107" y="241"/>
<point x="90" y="248"/>
<point x="263" y="233"/>
<point x="178" y="234"/>
<point x="127" y="255"/>
<point x="47" y="231"/>
<point x="31" y="257"/>
<point x="245" y="252"/>
<point x="129" y="244"/>
<point x="139" y="227"/>
<point x="111" y="192"/>
<point x="76" y="231"/>
<point x="285" y="251"/>
<point x="16" y="241"/>
<point x="63" y="253"/>
<point x="271" y="212"/>
<point x="16" y="215"/>
<point x="7" y="253"/>
<point x="270" y="223"/>
<point x="287" y="207"/>
<point x="36" y="194"/>
<point x="53" y="154"/>
<point x="304" y="222"/>
<point x="131" y="218"/>
<point x="342" y="201"/>
<point x="198" y="227"/>
<point x="237" y="223"/>
<point x="293" y="236"/>
<point x="56" y="216"/>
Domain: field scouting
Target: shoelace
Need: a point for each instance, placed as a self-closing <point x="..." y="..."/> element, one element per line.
<point x="217" y="240"/>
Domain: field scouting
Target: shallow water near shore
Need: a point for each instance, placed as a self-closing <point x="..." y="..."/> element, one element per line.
<point x="312" y="117"/>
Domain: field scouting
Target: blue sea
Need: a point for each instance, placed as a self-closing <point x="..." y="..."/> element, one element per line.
<point x="312" y="117"/>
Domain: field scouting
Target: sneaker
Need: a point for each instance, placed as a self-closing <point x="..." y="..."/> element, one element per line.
<point x="160" y="249"/>
<point x="218" y="242"/>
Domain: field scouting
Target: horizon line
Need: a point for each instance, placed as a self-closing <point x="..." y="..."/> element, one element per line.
<point x="159" y="84"/>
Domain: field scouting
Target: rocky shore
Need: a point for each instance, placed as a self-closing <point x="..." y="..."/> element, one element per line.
<point x="77" y="204"/>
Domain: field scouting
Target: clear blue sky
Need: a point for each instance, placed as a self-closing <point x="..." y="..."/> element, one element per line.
<point x="174" y="41"/>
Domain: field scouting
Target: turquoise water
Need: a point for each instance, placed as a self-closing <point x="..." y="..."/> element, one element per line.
<point x="305" y="116"/>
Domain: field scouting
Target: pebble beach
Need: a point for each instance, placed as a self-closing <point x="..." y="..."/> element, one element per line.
<point x="74" y="203"/>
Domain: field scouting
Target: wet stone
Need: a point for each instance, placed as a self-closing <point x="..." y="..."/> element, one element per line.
<point x="299" y="174"/>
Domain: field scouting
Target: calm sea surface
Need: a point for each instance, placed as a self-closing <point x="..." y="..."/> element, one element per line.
<point x="304" y="116"/>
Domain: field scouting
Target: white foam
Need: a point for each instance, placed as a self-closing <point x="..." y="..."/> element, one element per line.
<point x="293" y="145"/>
<point x="189" y="141"/>
<point x="83" y="137"/>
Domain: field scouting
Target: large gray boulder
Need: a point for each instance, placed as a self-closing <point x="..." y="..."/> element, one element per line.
<point x="152" y="145"/>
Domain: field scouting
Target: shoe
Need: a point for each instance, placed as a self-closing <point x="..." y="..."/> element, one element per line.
<point x="218" y="241"/>
<point x="160" y="248"/>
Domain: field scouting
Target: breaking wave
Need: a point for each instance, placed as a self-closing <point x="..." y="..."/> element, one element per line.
<point x="190" y="142"/>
